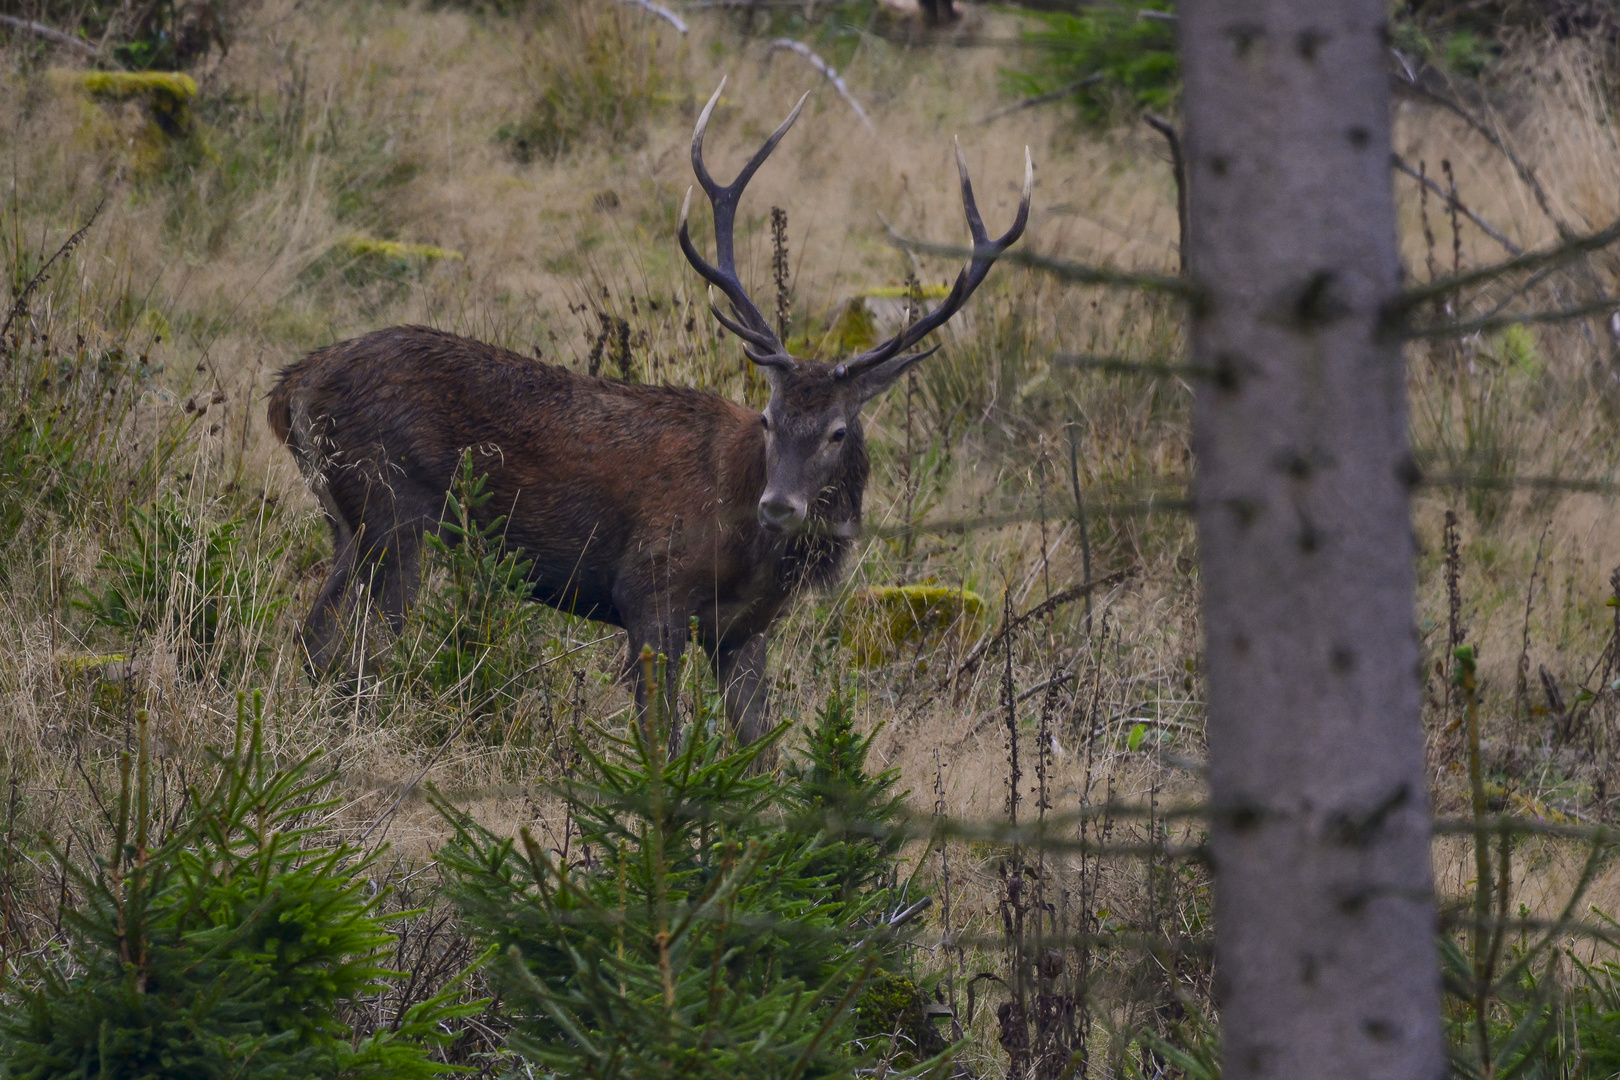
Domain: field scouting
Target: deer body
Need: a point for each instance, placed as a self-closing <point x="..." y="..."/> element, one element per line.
<point x="635" y="504"/>
<point x="645" y="507"/>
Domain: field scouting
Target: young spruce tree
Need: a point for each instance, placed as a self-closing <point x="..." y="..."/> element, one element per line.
<point x="229" y="944"/>
<point x="700" y="928"/>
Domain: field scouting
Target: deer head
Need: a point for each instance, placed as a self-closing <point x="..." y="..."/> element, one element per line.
<point x="813" y="418"/>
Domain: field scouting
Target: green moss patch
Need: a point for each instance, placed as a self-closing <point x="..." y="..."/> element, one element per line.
<point x="883" y="621"/>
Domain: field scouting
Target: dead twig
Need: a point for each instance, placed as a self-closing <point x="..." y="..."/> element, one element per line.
<point x="1057" y="600"/>
<point x="1041" y="99"/>
<point x="1526" y="174"/>
<point x="1528" y="177"/>
<point x="1179" y="165"/>
<point x="1484" y="226"/>
<point x="1489" y="323"/>
<point x="1568" y="251"/>
<point x="1119" y="365"/>
<point x="996" y="713"/>
<point x="20" y="305"/>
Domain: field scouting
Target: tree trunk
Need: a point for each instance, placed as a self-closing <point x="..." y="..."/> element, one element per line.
<point x="1325" y="929"/>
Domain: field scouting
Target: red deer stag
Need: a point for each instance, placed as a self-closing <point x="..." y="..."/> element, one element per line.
<point x="640" y="506"/>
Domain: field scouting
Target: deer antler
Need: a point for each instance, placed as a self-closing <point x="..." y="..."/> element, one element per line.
<point x="985" y="253"/>
<point x="762" y="345"/>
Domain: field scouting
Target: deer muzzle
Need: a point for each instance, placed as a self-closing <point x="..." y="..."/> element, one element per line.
<point x="778" y="513"/>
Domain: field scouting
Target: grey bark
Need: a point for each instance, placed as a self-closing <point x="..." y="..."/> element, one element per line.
<point x="1325" y="926"/>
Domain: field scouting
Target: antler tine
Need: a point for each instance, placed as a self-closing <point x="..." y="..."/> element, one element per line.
<point x="712" y="187"/>
<point x="985" y="254"/>
<point x="750" y="336"/>
<point x="750" y="324"/>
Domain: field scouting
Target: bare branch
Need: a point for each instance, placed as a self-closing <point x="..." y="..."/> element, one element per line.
<point x="1485" y="227"/>
<point x="1121" y="366"/>
<point x="1078" y="273"/>
<point x="1499" y="824"/>
<point x="1524" y="288"/>
<point x="1057" y="600"/>
<point x="49" y="34"/>
<point x="1528" y="177"/>
<point x="826" y="69"/>
<point x="1526" y="174"/>
<point x="1178" y="164"/>
<point x="1167" y="503"/>
<point x="1570" y="250"/>
<point x="1489" y="323"/>
<point x="1574" y="485"/>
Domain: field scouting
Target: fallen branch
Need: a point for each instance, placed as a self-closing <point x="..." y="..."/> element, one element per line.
<point x="1041" y="99"/>
<point x="49" y="34"/>
<point x="1485" y="227"/>
<point x="826" y="69"/>
<point x="662" y="12"/>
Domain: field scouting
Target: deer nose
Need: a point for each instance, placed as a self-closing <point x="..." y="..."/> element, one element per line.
<point x="777" y="513"/>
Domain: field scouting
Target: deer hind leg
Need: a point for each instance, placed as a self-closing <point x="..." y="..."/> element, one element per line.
<point x="342" y="636"/>
<point x="334" y="628"/>
<point x="326" y="637"/>
<point x="372" y="574"/>
<point x="740" y="671"/>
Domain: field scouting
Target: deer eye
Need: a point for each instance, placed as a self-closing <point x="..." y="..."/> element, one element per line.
<point x="765" y="421"/>
<point x="838" y="436"/>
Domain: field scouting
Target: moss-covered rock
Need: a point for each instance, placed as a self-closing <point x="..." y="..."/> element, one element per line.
<point x="145" y="117"/>
<point x="854" y="329"/>
<point x="882" y="621"/>
<point x="406" y="255"/>
<point x="167" y="95"/>
<point x="361" y="260"/>
<point x="893" y="1007"/>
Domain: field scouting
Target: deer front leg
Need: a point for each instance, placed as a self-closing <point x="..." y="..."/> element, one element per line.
<point x="740" y="671"/>
<point x="668" y="641"/>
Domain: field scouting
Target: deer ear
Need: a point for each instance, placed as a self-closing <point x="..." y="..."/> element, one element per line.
<point x="874" y="380"/>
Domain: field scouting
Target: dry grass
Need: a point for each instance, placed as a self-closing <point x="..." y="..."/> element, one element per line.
<point x="233" y="254"/>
